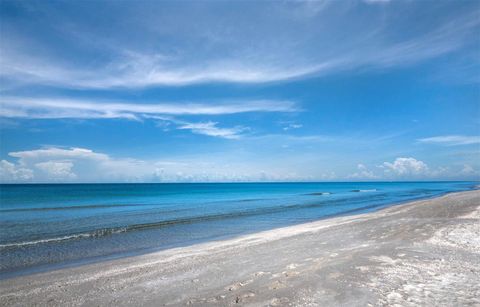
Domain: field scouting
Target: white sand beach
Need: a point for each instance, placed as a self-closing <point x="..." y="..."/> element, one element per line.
<point x="421" y="253"/>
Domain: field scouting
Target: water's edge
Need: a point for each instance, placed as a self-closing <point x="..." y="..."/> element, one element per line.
<point x="98" y="259"/>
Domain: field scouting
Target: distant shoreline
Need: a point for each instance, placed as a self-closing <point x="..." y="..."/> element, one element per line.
<point x="332" y="261"/>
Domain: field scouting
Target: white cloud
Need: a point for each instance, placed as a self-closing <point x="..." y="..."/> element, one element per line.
<point x="206" y="128"/>
<point x="14" y="107"/>
<point x="57" y="170"/>
<point x="56" y="164"/>
<point x="84" y="165"/>
<point x="412" y="169"/>
<point x="451" y="140"/>
<point x="327" y="176"/>
<point x="55" y="152"/>
<point x="211" y="129"/>
<point x="241" y="70"/>
<point x="10" y="172"/>
<point x="74" y="108"/>
<point x="406" y="167"/>
<point x="469" y="170"/>
<point x="402" y="169"/>
<point x="363" y="173"/>
<point x="195" y="46"/>
<point x="292" y="126"/>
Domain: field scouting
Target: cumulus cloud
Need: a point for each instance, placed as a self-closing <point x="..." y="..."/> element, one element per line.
<point x="363" y="173"/>
<point x="56" y="164"/>
<point x="10" y="172"/>
<point x="327" y="176"/>
<point x="57" y="170"/>
<point x="406" y="167"/>
<point x="403" y="168"/>
<point x="469" y="171"/>
<point x="68" y="164"/>
<point x="451" y="140"/>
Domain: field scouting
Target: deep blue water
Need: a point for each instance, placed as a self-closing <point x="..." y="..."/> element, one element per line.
<point x="50" y="225"/>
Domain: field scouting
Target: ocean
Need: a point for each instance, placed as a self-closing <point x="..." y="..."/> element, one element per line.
<point x="48" y="226"/>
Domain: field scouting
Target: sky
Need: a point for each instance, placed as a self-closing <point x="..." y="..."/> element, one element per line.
<point x="217" y="91"/>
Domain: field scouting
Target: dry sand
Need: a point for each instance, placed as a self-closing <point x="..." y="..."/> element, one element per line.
<point x="423" y="253"/>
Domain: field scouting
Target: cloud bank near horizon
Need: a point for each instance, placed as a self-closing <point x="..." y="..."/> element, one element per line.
<point x="56" y="164"/>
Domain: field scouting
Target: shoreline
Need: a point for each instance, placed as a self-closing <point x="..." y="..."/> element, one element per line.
<point x="49" y="267"/>
<point x="202" y="267"/>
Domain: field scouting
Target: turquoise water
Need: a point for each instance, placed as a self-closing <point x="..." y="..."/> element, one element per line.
<point x="45" y="226"/>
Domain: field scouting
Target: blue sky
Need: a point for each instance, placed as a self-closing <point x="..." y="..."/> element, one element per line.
<point x="150" y="91"/>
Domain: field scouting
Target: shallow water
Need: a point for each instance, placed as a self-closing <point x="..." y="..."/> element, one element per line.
<point x="50" y="225"/>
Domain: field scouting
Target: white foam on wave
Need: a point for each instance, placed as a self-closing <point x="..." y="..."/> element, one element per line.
<point x="96" y="233"/>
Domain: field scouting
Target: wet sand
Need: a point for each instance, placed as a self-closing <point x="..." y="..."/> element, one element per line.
<point x="421" y="253"/>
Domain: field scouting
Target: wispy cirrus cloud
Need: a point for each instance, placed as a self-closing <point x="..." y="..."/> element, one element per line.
<point x="211" y="129"/>
<point x="291" y="126"/>
<point x="126" y="71"/>
<point x="56" y="152"/>
<point x="166" y="114"/>
<point x="229" y="49"/>
<point x="75" y="108"/>
<point x="451" y="140"/>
